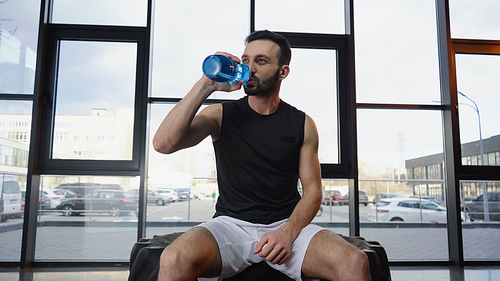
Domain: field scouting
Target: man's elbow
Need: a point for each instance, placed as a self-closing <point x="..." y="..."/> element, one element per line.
<point x="162" y="146"/>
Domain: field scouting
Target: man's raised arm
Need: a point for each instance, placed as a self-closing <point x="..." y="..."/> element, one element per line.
<point x="182" y="128"/>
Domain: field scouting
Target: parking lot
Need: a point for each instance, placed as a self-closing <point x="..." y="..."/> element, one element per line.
<point x="102" y="236"/>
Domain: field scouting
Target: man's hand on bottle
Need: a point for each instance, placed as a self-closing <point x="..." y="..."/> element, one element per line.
<point x="226" y="86"/>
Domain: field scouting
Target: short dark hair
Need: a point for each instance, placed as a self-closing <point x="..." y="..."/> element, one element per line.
<point x="285" y="54"/>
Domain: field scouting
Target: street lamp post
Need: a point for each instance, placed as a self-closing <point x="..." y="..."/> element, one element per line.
<point x="485" y="189"/>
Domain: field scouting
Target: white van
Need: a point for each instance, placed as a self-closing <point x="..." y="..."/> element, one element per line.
<point x="10" y="199"/>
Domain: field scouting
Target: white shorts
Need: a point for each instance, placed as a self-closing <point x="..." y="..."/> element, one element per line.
<point x="237" y="240"/>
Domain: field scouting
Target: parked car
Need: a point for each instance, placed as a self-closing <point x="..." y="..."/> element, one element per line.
<point x="55" y="196"/>
<point x="332" y="197"/>
<point x="99" y="201"/>
<point x="198" y="196"/>
<point x="407" y="210"/>
<point x="69" y="194"/>
<point x="152" y="196"/>
<point x="166" y="196"/>
<point x="11" y="197"/>
<point x="475" y="208"/>
<point x="426" y="197"/>
<point x="183" y="193"/>
<point x="387" y="195"/>
<point x="43" y="201"/>
<point x="320" y="211"/>
<point x="468" y="198"/>
<point x="171" y="192"/>
<point x="363" y="198"/>
<point x="80" y="188"/>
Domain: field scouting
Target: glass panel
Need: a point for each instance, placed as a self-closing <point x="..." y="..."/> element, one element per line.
<point x="436" y="273"/>
<point x="477" y="81"/>
<point x="15" y="127"/>
<point x="93" y="218"/>
<point x="174" y="74"/>
<point x="192" y="170"/>
<point x="319" y="16"/>
<point x="401" y="173"/>
<point x="109" y="12"/>
<point x="396" y="52"/>
<point x="480" y="202"/>
<point x="334" y="211"/>
<point x="313" y="98"/>
<point x="474" y="19"/>
<point x="95" y="101"/>
<point x="18" y="43"/>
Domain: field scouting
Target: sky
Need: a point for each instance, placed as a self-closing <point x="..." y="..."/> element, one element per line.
<point x="396" y="62"/>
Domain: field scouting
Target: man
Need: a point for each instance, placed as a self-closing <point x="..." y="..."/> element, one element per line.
<point x="262" y="146"/>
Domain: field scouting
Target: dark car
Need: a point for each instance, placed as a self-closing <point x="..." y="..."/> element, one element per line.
<point x="80" y="188"/>
<point x="386" y="196"/>
<point x="363" y="198"/>
<point x="332" y="197"/>
<point x="43" y="201"/>
<point x="183" y="193"/>
<point x="475" y="208"/>
<point x="68" y="194"/>
<point x="99" y="201"/>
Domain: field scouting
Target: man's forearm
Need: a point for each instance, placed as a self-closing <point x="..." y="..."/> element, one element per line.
<point x="304" y="212"/>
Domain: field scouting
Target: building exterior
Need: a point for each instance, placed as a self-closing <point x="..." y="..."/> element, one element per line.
<point x="430" y="169"/>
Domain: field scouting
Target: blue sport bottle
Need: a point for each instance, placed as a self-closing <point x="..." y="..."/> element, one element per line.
<point x="220" y="68"/>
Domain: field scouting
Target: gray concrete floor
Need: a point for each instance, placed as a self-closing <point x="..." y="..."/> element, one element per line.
<point x="399" y="273"/>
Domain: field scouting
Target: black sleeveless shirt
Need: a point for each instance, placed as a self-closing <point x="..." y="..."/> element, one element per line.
<point x="257" y="159"/>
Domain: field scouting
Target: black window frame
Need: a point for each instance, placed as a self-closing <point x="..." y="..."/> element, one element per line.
<point x="65" y="32"/>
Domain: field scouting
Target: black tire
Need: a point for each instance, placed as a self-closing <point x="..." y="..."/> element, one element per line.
<point x="397" y="219"/>
<point x="160" y="202"/>
<point x="67" y="210"/>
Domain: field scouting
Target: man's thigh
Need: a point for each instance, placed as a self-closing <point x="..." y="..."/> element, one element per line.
<point x="198" y="248"/>
<point x="327" y="256"/>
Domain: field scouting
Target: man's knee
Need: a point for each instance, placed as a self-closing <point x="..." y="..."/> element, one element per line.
<point x="353" y="265"/>
<point x="193" y="254"/>
<point x="172" y="264"/>
<point x="170" y="258"/>
<point x="361" y="263"/>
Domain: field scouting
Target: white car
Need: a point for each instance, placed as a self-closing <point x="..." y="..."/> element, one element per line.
<point x="407" y="210"/>
<point x="56" y="197"/>
<point x="172" y="194"/>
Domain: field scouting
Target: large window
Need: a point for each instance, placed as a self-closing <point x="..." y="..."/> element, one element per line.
<point x="94" y="112"/>
<point x="112" y="12"/>
<point x="89" y="217"/>
<point x="396" y="52"/>
<point x="397" y="63"/>
<point x="390" y="143"/>
<point x="384" y="101"/>
<point x="18" y="56"/>
<point x="474" y="20"/>
<point x="323" y="16"/>
<point x="15" y="126"/>
<point x="18" y="46"/>
<point x="478" y="99"/>
<point x="213" y="26"/>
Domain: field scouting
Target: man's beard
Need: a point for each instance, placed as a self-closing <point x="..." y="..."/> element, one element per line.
<point x="266" y="88"/>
